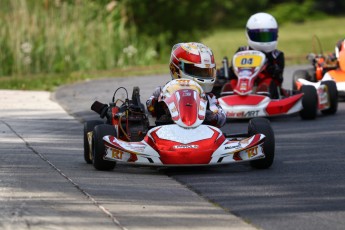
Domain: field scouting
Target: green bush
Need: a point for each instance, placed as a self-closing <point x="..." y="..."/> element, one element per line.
<point x="296" y="12"/>
<point x="64" y="36"/>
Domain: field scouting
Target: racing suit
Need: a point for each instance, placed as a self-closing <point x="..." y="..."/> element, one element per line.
<point x="215" y="115"/>
<point x="274" y="70"/>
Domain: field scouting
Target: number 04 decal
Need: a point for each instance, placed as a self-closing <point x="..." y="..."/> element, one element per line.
<point x="247" y="61"/>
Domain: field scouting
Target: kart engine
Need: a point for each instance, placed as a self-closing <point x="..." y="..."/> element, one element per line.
<point x="133" y="123"/>
<point x="129" y="118"/>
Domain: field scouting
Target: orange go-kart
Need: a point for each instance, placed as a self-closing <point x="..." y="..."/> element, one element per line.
<point x="323" y="69"/>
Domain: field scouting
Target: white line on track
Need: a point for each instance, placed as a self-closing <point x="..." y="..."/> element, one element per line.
<point x="93" y="200"/>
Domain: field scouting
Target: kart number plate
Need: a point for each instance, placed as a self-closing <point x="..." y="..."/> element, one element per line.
<point x="248" y="61"/>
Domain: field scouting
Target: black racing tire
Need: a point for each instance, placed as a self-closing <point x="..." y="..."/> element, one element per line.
<point x="263" y="126"/>
<point x="297" y="75"/>
<point x="332" y="92"/>
<point x="88" y="127"/>
<point x="98" y="147"/>
<point x="309" y="102"/>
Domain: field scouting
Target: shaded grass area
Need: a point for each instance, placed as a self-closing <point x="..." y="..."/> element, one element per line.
<point x="49" y="82"/>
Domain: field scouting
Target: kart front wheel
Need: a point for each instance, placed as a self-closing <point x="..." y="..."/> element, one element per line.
<point x="309" y="102"/>
<point x="307" y="74"/>
<point x="263" y="126"/>
<point x="98" y="147"/>
<point x="298" y="74"/>
<point x="332" y="92"/>
<point x="88" y="127"/>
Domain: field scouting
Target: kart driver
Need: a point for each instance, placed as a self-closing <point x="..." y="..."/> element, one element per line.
<point x="193" y="61"/>
<point x="328" y="62"/>
<point x="339" y="47"/>
<point x="262" y="35"/>
<point x="333" y="58"/>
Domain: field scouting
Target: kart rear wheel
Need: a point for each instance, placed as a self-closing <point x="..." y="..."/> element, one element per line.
<point x="98" y="147"/>
<point x="88" y="127"/>
<point x="332" y="92"/>
<point x="262" y="126"/>
<point x="309" y="102"/>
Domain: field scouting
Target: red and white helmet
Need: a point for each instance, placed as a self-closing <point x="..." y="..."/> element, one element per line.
<point x="193" y="61"/>
<point x="262" y="32"/>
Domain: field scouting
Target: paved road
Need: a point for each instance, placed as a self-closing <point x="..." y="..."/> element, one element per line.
<point x="45" y="183"/>
<point x="303" y="190"/>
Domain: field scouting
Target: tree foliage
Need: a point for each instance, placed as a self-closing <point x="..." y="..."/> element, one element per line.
<point x="183" y="20"/>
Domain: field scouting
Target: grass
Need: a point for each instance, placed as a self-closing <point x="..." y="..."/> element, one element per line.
<point x="58" y="37"/>
<point x="296" y="40"/>
<point x="49" y="82"/>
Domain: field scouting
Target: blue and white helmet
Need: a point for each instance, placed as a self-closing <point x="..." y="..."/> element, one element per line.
<point x="262" y="32"/>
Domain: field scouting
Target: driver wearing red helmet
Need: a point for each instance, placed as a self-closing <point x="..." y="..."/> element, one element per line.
<point x="193" y="61"/>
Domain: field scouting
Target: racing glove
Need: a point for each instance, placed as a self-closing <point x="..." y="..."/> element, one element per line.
<point x="151" y="102"/>
<point x="215" y="115"/>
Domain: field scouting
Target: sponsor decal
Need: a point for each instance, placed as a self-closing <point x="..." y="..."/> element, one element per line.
<point x="323" y="97"/>
<point x="173" y="110"/>
<point x="243" y="86"/>
<point x="253" y="113"/>
<point x="190" y="46"/>
<point x="183" y="82"/>
<point x="244" y="72"/>
<point x="233" y="147"/>
<point x="252" y="152"/>
<point x="232" y="114"/>
<point x="186" y="146"/>
<point x="186" y="94"/>
<point x="115" y="153"/>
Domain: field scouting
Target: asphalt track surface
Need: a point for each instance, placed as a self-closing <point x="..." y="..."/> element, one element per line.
<point x="45" y="182"/>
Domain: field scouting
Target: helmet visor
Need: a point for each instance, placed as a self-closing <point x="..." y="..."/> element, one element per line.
<point x="192" y="70"/>
<point x="263" y="35"/>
